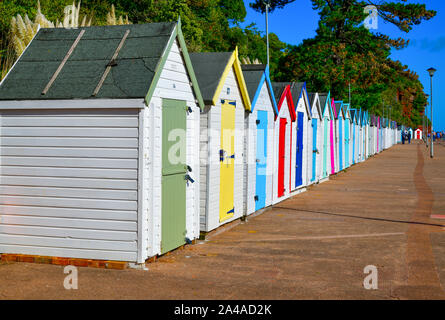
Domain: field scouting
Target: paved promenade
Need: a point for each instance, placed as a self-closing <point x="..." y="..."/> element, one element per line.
<point x="384" y="212"/>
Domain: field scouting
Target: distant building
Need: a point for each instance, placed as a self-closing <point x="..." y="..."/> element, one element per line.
<point x="418" y="134"/>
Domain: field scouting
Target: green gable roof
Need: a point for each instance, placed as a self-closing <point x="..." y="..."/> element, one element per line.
<point x="130" y="76"/>
<point x="209" y="68"/>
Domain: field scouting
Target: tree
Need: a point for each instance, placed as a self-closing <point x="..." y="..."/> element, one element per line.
<point x="234" y="10"/>
<point x="208" y="25"/>
<point x="253" y="46"/>
<point x="345" y="53"/>
<point x="260" y="6"/>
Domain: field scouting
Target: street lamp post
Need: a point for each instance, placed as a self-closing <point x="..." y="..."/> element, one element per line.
<point x="390" y="110"/>
<point x="267" y="4"/>
<point x="431" y="71"/>
<point x="424" y="133"/>
<point x="423" y="125"/>
<point x="389" y="122"/>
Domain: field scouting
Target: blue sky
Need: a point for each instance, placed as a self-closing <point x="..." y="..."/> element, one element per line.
<point x="298" y="21"/>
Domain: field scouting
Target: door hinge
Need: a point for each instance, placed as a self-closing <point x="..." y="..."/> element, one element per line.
<point x="258" y="122"/>
<point x="256" y="198"/>
<point x="221" y="155"/>
<point x="188" y="178"/>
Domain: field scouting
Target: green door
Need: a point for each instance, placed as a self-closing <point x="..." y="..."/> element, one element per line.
<point x="174" y="170"/>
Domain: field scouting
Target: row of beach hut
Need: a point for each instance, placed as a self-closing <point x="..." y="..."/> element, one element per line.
<point x="118" y="144"/>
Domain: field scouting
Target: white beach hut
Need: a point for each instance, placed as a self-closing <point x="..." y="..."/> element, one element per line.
<point x="316" y="140"/>
<point x="100" y="143"/>
<point x="302" y="150"/>
<point x="259" y="147"/>
<point x="283" y="134"/>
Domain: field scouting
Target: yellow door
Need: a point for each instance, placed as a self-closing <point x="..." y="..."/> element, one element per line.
<point x="227" y="161"/>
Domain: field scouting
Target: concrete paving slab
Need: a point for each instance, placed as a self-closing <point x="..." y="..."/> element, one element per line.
<point x="315" y="245"/>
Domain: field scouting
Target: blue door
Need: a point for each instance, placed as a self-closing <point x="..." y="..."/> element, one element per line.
<point x="261" y="160"/>
<point x="299" y="162"/>
<point x="340" y="144"/>
<point x="314" y="148"/>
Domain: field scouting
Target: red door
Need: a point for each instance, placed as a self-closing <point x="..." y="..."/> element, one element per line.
<point x="281" y="156"/>
<point x="418" y="135"/>
<point x="290" y="162"/>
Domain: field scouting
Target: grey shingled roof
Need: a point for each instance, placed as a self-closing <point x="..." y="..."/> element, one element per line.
<point x="278" y="88"/>
<point x="352" y="111"/>
<point x="311" y="97"/>
<point x="365" y="117"/>
<point x="346" y="107"/>
<point x="338" y="109"/>
<point x="209" y="68"/>
<point x="323" y="97"/>
<point x="129" y="78"/>
<point x="252" y="76"/>
<point x="296" y="90"/>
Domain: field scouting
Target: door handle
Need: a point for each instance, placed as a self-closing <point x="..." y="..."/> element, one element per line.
<point x="222" y="155"/>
